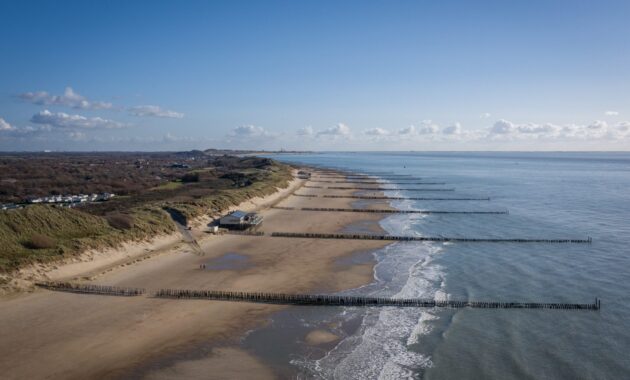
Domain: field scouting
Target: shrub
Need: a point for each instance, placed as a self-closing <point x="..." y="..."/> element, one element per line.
<point x="190" y="177"/>
<point x="39" y="241"/>
<point x="120" y="221"/>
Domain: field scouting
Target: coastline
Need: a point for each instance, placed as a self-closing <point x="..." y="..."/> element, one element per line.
<point x="130" y="330"/>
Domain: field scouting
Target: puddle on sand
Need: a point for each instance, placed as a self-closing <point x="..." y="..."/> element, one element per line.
<point x="229" y="261"/>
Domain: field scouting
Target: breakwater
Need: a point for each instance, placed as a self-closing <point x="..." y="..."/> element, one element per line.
<point x="377" y="188"/>
<point x="381" y="182"/>
<point x="91" y="289"/>
<point x="366" y="176"/>
<point x="244" y="232"/>
<point x="305" y="235"/>
<point x="403" y="198"/>
<point x="382" y="211"/>
<point x="332" y="300"/>
<point x="307" y="299"/>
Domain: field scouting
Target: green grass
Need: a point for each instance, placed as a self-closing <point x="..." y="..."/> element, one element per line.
<point x="74" y="230"/>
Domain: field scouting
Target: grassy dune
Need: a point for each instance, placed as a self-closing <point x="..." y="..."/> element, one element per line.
<point x="68" y="231"/>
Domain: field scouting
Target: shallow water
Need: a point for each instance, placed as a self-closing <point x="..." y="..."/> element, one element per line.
<point x="549" y="195"/>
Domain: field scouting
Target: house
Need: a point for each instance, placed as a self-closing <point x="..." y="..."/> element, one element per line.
<point x="240" y="220"/>
<point x="304" y="175"/>
<point x="9" y="206"/>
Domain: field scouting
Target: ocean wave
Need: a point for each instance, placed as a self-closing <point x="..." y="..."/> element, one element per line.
<point x="380" y="348"/>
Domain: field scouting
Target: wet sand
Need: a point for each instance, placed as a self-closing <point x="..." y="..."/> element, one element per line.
<point x="71" y="336"/>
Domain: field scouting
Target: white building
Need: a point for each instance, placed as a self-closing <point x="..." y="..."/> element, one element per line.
<point x="240" y="220"/>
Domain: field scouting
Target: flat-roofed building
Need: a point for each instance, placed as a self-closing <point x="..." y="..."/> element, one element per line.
<point x="240" y="220"/>
<point x="304" y="175"/>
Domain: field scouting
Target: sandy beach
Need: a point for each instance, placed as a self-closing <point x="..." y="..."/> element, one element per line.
<point x="60" y="335"/>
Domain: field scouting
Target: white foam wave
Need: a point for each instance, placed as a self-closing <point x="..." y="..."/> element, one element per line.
<point x="381" y="347"/>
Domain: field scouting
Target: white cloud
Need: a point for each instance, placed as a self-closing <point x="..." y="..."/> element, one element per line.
<point x="598" y="125"/>
<point x="410" y="130"/>
<point x="502" y="127"/>
<point x="338" y="130"/>
<point x="624" y="126"/>
<point x="77" y="136"/>
<point x="5" y="126"/>
<point x="250" y="131"/>
<point x="596" y="130"/>
<point x="306" y="131"/>
<point x="154" y="111"/>
<point x="376" y="132"/>
<point x="485" y="115"/>
<point x="171" y="138"/>
<point x="69" y="99"/>
<point x="611" y="113"/>
<point x="64" y="120"/>
<point x="455" y="129"/>
<point x="427" y="127"/>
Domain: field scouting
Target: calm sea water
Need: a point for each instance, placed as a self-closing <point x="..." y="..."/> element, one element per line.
<point x="555" y="195"/>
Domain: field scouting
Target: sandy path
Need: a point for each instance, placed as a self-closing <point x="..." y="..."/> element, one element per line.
<point x="70" y="336"/>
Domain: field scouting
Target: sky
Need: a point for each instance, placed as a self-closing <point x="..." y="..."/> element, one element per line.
<point x="315" y="75"/>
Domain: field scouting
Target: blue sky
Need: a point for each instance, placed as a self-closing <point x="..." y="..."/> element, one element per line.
<point x="321" y="75"/>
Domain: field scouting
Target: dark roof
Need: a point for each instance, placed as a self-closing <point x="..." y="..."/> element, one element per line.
<point x="239" y="214"/>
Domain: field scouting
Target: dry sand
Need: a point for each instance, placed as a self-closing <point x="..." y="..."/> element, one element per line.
<point x="71" y="336"/>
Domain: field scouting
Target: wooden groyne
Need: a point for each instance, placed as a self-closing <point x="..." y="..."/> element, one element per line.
<point x="245" y="232"/>
<point x="313" y="187"/>
<point x="91" y="289"/>
<point x="377" y="188"/>
<point x="402" y="198"/>
<point x="381" y="182"/>
<point x="382" y="211"/>
<point x="365" y="176"/>
<point x="305" y="235"/>
<point x="332" y="300"/>
<point x="305" y="195"/>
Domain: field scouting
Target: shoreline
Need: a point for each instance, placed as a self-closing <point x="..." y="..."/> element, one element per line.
<point x="55" y="326"/>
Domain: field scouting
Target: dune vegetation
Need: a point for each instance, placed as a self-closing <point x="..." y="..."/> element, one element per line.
<point x="44" y="233"/>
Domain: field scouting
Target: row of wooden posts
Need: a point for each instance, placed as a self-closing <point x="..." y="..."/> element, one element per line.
<point x="390" y="198"/>
<point x="371" y="188"/>
<point x="245" y="232"/>
<point x="314" y="235"/>
<point x="333" y="300"/>
<point x="305" y="299"/>
<point x="382" y="211"/>
<point x="383" y="188"/>
<point x="382" y="183"/>
<point x="310" y="235"/>
<point x="352" y="176"/>
<point x="91" y="288"/>
<point x="405" y="198"/>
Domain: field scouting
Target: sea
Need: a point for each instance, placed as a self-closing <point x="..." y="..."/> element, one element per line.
<point x="547" y="195"/>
